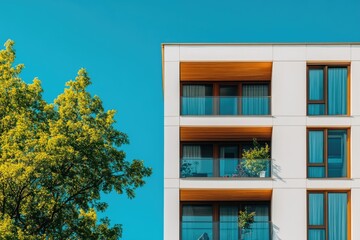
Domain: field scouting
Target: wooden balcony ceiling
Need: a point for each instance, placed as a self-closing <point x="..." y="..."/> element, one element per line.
<point x="225" y="194"/>
<point x="225" y="133"/>
<point x="225" y="71"/>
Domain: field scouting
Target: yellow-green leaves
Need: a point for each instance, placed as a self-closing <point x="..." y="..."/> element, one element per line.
<point x="56" y="159"/>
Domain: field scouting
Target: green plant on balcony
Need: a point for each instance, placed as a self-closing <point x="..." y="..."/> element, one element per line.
<point x="254" y="160"/>
<point x="245" y="220"/>
<point x="185" y="169"/>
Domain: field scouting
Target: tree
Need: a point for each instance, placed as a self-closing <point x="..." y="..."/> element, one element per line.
<point x="245" y="219"/>
<point x="56" y="159"/>
<point x="254" y="160"/>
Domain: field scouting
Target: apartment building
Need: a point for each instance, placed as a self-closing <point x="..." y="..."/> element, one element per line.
<point x="300" y="100"/>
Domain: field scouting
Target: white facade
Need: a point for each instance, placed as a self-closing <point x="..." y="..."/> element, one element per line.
<point x="289" y="122"/>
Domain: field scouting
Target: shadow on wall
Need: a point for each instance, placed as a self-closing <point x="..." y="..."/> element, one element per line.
<point x="275" y="232"/>
<point x="276" y="171"/>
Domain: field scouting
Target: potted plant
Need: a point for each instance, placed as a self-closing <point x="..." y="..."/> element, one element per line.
<point x="245" y="220"/>
<point x="185" y="168"/>
<point x="254" y="161"/>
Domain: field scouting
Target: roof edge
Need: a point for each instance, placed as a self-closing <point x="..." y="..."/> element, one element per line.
<point x="266" y="43"/>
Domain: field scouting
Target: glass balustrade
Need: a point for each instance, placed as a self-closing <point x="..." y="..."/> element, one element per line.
<point x="225" y="106"/>
<point x="225" y="167"/>
<point x="225" y="230"/>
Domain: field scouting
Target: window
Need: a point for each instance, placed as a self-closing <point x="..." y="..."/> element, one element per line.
<point x="327" y="92"/>
<point x="327" y="153"/>
<point x="327" y="215"/>
<point x="225" y="98"/>
<point x="219" y="221"/>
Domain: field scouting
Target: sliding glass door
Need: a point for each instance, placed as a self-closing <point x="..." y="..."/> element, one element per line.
<point x="229" y="227"/>
<point x="197" y="160"/>
<point x="219" y="221"/>
<point x="229" y="160"/>
<point x="225" y="98"/>
<point x="197" y="222"/>
<point x="228" y="101"/>
<point x="255" y="100"/>
<point x="197" y="99"/>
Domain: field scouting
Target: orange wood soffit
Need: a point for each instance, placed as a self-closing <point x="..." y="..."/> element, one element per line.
<point x="226" y="71"/>
<point x="225" y="133"/>
<point x="225" y="194"/>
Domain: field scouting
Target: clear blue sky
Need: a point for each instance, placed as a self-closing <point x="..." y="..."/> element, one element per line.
<point x="118" y="42"/>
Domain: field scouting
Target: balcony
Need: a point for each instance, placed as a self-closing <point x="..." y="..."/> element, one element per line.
<point x="228" y="106"/>
<point x="225" y="230"/>
<point x="225" y="167"/>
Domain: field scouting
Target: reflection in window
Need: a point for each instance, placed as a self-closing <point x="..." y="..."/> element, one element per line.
<point x="331" y="163"/>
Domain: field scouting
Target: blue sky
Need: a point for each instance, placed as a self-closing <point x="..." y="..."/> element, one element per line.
<point x="119" y="43"/>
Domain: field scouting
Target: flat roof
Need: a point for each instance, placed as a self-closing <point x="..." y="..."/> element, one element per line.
<point x="268" y="43"/>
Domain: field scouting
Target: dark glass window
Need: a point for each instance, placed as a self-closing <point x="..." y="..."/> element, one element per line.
<point x="327" y="90"/>
<point x="331" y="163"/>
<point x="327" y="215"/>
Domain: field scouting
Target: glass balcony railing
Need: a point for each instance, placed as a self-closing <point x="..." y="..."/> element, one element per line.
<point x="225" y="106"/>
<point x="225" y="230"/>
<point x="225" y="167"/>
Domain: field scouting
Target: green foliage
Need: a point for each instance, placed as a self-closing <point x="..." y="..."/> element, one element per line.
<point x="185" y="168"/>
<point x="254" y="160"/>
<point x="56" y="159"/>
<point x="245" y="219"/>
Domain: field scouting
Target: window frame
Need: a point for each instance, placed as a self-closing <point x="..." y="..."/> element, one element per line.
<point x="325" y="67"/>
<point x="326" y="213"/>
<point x="216" y="92"/>
<point x="325" y="153"/>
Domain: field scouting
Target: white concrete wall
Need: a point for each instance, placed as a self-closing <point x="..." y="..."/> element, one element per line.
<point x="225" y="53"/>
<point x="171" y="88"/>
<point x="171" y="152"/>
<point x="171" y="213"/>
<point x="288" y="86"/>
<point x="355" y="86"/>
<point x="355" y="152"/>
<point x="355" y="213"/>
<point x="289" y="122"/>
<point x="289" y="152"/>
<point x="289" y="214"/>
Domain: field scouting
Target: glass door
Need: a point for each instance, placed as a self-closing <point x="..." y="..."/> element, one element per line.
<point x="197" y="222"/>
<point x="229" y="160"/>
<point x="228" y="100"/>
<point x="255" y="99"/>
